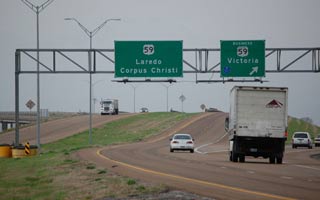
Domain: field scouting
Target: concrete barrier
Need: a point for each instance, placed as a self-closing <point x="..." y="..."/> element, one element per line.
<point x="20" y="151"/>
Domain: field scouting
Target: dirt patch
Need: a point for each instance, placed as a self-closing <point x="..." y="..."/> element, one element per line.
<point x="86" y="180"/>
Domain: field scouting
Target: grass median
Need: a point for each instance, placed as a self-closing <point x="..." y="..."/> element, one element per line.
<point x="56" y="174"/>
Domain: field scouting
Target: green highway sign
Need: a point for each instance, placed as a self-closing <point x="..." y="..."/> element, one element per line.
<point x="242" y="58"/>
<point x="148" y="59"/>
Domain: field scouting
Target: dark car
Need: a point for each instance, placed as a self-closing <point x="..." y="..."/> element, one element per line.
<point x="143" y="110"/>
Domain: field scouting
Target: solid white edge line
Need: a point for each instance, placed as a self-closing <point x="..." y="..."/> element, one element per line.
<point x="204" y="145"/>
<point x="215" y="142"/>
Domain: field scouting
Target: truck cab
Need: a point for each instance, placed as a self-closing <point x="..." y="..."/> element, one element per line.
<point x="109" y="107"/>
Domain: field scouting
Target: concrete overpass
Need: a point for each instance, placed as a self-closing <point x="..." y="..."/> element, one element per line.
<point x="7" y="119"/>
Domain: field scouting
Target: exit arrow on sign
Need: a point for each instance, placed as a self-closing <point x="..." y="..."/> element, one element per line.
<point x="254" y="70"/>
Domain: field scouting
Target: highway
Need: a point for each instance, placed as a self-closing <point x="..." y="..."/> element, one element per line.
<point x="208" y="171"/>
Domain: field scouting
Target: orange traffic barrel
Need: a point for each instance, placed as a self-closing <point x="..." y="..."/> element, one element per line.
<point x="5" y="151"/>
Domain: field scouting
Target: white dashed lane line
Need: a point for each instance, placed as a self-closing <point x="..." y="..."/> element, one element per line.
<point x="307" y="167"/>
<point x="286" y="177"/>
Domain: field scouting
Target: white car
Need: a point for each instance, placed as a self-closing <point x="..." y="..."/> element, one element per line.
<point x="183" y="142"/>
<point x="301" y="139"/>
<point x="317" y="141"/>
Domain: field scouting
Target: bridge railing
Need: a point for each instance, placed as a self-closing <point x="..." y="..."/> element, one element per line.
<point x="24" y="115"/>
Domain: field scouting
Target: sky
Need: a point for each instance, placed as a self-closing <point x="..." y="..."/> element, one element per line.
<point x="199" y="24"/>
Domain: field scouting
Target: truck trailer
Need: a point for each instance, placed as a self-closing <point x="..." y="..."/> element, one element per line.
<point x="109" y="107"/>
<point x="257" y="123"/>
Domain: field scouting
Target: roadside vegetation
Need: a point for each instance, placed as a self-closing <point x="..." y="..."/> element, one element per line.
<point x="57" y="174"/>
<point x="295" y="125"/>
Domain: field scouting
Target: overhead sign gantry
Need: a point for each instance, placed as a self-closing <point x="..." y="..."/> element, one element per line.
<point x="63" y="61"/>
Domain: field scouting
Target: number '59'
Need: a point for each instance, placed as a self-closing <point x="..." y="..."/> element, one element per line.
<point x="242" y="51"/>
<point x="148" y="49"/>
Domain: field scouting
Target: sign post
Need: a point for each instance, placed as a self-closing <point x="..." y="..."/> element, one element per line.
<point x="242" y="58"/>
<point x="182" y="99"/>
<point x="148" y="59"/>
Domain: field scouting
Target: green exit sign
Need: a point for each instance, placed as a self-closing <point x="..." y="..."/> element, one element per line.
<point x="148" y="59"/>
<point x="242" y="58"/>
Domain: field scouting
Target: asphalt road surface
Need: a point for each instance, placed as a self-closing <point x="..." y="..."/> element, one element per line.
<point x="57" y="129"/>
<point x="208" y="171"/>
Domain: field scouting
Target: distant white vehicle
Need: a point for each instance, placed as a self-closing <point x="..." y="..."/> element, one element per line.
<point x="182" y="142"/>
<point x="109" y="107"/>
<point x="301" y="139"/>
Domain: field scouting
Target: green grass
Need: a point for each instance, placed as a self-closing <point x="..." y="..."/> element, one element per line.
<point x="56" y="174"/>
<point x="295" y="125"/>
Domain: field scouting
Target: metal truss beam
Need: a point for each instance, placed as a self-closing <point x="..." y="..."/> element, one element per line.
<point x="202" y="60"/>
<point x="146" y="81"/>
<point x="196" y="61"/>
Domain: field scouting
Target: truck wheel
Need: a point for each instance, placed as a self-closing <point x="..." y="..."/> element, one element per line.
<point x="230" y="156"/>
<point x="279" y="160"/>
<point x="272" y="159"/>
<point x="242" y="158"/>
<point x="234" y="157"/>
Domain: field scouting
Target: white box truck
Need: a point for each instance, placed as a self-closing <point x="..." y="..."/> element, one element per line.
<point x="257" y="123"/>
<point x="109" y="107"/>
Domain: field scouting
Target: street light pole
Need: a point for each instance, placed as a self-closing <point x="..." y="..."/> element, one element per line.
<point x="134" y="97"/>
<point x="167" y="87"/>
<point x="93" y="97"/>
<point x="37" y="10"/>
<point x="90" y="34"/>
